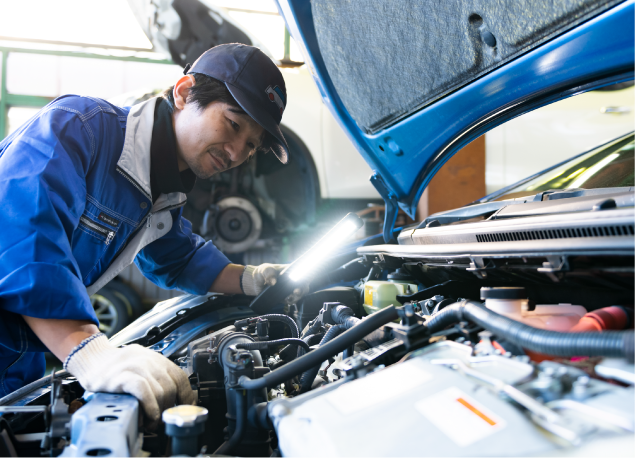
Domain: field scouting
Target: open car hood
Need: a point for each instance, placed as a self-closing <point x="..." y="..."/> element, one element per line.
<point x="414" y="82"/>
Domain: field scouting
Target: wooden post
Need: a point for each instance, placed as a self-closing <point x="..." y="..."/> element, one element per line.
<point x="460" y="181"/>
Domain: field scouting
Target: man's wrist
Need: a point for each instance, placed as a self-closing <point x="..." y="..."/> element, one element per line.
<point x="247" y="281"/>
<point x="229" y="280"/>
<point x="81" y="345"/>
<point x="90" y="356"/>
<point x="61" y="336"/>
<point x="241" y="280"/>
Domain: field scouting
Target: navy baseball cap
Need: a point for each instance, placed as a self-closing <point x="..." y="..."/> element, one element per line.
<point x="254" y="81"/>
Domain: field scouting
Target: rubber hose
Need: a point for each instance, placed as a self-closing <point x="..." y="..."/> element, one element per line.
<point x="306" y="380"/>
<point x="335" y="346"/>
<point x="273" y="343"/>
<point x="293" y="327"/>
<point x="311" y="340"/>
<point x="312" y="328"/>
<point x="314" y="339"/>
<point x="227" y="446"/>
<point x="345" y="316"/>
<point x="609" y="343"/>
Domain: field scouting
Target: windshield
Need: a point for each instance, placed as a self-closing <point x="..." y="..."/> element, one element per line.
<point x="609" y="166"/>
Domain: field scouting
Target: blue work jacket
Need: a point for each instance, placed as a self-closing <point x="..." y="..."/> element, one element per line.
<point x="75" y="210"/>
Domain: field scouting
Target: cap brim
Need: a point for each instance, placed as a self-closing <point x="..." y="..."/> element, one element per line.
<point x="266" y="121"/>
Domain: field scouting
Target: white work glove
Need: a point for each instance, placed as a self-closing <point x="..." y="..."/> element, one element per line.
<point x="153" y="379"/>
<point x="256" y="278"/>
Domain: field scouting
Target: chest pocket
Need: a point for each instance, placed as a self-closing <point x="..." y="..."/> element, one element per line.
<point x="90" y="241"/>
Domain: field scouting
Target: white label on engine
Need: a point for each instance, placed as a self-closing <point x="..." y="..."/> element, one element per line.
<point x="461" y="418"/>
<point x="375" y="388"/>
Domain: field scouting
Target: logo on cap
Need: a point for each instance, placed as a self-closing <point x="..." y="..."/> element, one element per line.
<point x="276" y="95"/>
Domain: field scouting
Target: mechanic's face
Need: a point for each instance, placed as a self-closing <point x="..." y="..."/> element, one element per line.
<point x="212" y="139"/>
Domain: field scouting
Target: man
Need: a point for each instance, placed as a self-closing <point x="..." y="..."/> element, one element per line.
<point x="87" y="188"/>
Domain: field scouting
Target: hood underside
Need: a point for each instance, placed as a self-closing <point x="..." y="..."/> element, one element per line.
<point x="413" y="82"/>
<point x="386" y="64"/>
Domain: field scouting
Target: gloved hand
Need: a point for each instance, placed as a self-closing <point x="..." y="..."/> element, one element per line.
<point x="256" y="278"/>
<point x="153" y="379"/>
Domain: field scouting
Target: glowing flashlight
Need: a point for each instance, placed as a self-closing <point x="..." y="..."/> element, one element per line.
<point x="308" y="264"/>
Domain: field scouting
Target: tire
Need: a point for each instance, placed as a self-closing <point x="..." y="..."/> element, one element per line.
<point x="130" y="297"/>
<point x="111" y="311"/>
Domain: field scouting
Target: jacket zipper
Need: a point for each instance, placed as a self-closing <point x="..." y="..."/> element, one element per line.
<point x="136" y="185"/>
<point x="133" y="182"/>
<point x="98" y="228"/>
<point x="133" y="233"/>
<point x="148" y="218"/>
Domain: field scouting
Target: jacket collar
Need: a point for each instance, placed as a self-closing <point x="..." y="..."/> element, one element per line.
<point x="135" y="156"/>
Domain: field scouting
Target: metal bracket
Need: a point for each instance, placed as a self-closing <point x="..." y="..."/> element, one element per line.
<point x="108" y="424"/>
<point x="554" y="267"/>
<point x="479" y="267"/>
<point x="392" y="206"/>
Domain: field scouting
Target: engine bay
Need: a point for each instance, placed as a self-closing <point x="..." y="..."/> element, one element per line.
<point x="392" y="353"/>
<point x="306" y="381"/>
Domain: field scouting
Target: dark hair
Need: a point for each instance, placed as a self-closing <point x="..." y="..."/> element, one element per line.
<point x="207" y="90"/>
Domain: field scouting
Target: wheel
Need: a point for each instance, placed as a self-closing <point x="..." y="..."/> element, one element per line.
<point x="111" y="311"/>
<point x="238" y="225"/>
<point x="129" y="296"/>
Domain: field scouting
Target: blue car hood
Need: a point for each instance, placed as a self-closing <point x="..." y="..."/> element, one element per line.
<point x="413" y="82"/>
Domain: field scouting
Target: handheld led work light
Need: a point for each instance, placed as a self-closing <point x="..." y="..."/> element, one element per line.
<point x="309" y="264"/>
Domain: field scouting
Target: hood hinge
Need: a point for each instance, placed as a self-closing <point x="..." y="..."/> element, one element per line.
<point x="392" y="206"/>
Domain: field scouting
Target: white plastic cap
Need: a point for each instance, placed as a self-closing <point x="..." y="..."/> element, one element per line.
<point x="185" y="415"/>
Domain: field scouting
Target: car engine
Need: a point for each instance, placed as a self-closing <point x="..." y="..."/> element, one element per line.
<point x="388" y="355"/>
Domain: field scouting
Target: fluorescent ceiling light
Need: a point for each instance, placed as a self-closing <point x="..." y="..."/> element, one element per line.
<point x="95" y="22"/>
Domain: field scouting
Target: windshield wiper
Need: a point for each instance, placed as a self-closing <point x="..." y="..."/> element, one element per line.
<point x="473" y="211"/>
<point x="578" y="192"/>
<point x="487" y="209"/>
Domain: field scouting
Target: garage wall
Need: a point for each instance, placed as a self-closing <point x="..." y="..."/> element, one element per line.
<point x="52" y="76"/>
<point x="460" y="181"/>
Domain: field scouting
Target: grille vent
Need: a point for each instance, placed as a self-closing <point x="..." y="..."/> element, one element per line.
<point x="565" y="233"/>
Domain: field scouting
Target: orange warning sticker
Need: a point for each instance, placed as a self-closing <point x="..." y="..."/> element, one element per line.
<point x="463" y="419"/>
<point x="476" y="411"/>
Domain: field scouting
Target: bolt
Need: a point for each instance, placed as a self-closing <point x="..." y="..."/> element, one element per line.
<point x="581" y="385"/>
<point x="394" y="147"/>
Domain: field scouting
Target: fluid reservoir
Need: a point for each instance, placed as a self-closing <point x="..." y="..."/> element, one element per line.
<point x="512" y="302"/>
<point x="381" y="294"/>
